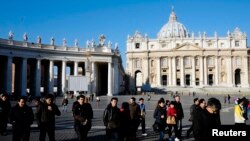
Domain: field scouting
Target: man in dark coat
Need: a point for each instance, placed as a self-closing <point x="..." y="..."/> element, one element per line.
<point x="21" y="117"/>
<point x="4" y="113"/>
<point x="46" y="118"/>
<point x="112" y="120"/>
<point x="179" y="116"/>
<point x="135" y="113"/>
<point x="206" y="120"/>
<point x="192" y="110"/>
<point x="83" y="115"/>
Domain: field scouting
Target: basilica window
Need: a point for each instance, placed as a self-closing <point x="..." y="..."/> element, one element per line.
<point x="238" y="61"/>
<point x="152" y="63"/>
<point x="187" y="61"/>
<point x="222" y="44"/>
<point x="178" y="62"/>
<point x="237" y="43"/>
<point x="210" y="61"/>
<point x="197" y="62"/>
<point x="164" y="62"/>
<point x="137" y="63"/>
<point x="152" y="46"/>
<point x="223" y="62"/>
<point x="137" y="45"/>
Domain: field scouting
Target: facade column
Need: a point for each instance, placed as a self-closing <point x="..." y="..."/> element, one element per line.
<point x="229" y="72"/>
<point x="110" y="93"/>
<point x="75" y="68"/>
<point x="193" y="72"/>
<point x="116" y="83"/>
<point x="93" y="77"/>
<point x="244" y="75"/>
<point x="51" y="77"/>
<point x="146" y="70"/>
<point x="201" y="71"/>
<point x="216" y="71"/>
<point x="174" y="70"/>
<point x="23" y="77"/>
<point x="38" y="78"/>
<point x="8" y="77"/>
<point x="158" y="75"/>
<point x="182" y="72"/>
<point x="63" y="76"/>
<point x="170" y="71"/>
<point x="205" y="71"/>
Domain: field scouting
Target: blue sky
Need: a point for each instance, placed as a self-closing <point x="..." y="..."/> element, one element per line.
<point x="87" y="19"/>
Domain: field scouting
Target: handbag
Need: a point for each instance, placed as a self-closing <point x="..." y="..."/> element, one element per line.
<point x="156" y="127"/>
<point x="171" y="120"/>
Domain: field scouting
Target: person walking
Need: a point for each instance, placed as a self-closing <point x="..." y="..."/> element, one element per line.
<point x="83" y="115"/>
<point x="65" y="103"/>
<point x="192" y="109"/>
<point x="4" y="113"/>
<point x="171" y="121"/>
<point x="21" y="117"/>
<point x="239" y="118"/>
<point x="125" y="131"/>
<point x="142" y="116"/>
<point x="179" y="116"/>
<point x="135" y="113"/>
<point x="160" y="118"/>
<point x="45" y="116"/>
<point x="206" y="120"/>
<point x="112" y="120"/>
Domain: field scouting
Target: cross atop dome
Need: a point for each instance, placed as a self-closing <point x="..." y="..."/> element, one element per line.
<point x="172" y="17"/>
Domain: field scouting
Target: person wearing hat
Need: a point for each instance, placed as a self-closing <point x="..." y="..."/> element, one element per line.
<point x="193" y="107"/>
<point x="45" y="115"/>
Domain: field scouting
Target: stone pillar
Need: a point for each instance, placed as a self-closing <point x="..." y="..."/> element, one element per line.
<point x="8" y="77"/>
<point x="193" y="71"/>
<point x="93" y="77"/>
<point x="63" y="76"/>
<point x="216" y="71"/>
<point x="158" y="74"/>
<point x="170" y="71"/>
<point x="229" y="72"/>
<point x="38" y="78"/>
<point x="244" y="75"/>
<point x="51" y="77"/>
<point x="146" y="70"/>
<point x="201" y="71"/>
<point x="116" y="83"/>
<point x="23" y="84"/>
<point x="182" y="72"/>
<point x="110" y="93"/>
<point x="205" y="71"/>
<point x="75" y="68"/>
<point x="174" y="71"/>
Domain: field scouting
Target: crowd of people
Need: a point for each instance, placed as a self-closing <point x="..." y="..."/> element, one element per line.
<point x="121" y="123"/>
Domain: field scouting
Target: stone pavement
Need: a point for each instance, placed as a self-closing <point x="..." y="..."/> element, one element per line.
<point x="64" y="123"/>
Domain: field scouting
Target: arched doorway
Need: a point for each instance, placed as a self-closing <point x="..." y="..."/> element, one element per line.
<point x="138" y="81"/>
<point x="237" y="77"/>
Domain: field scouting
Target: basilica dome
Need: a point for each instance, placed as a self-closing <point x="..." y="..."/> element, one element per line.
<point x="172" y="29"/>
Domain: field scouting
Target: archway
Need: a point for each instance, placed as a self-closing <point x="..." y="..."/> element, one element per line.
<point x="237" y="77"/>
<point x="138" y="80"/>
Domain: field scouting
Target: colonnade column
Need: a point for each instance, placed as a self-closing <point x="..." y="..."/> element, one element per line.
<point x="229" y="72"/>
<point x="201" y="71"/>
<point x="75" y="71"/>
<point x="193" y="71"/>
<point x="170" y="71"/>
<point x="244" y="76"/>
<point x="158" y="75"/>
<point x="51" y="77"/>
<point x="110" y="93"/>
<point x="182" y="72"/>
<point x="23" y="84"/>
<point x="205" y="70"/>
<point x="8" y="77"/>
<point x="38" y="78"/>
<point x="216" y="71"/>
<point x="174" y="71"/>
<point x="63" y="76"/>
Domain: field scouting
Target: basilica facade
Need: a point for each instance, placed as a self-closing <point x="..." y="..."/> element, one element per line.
<point x="177" y="58"/>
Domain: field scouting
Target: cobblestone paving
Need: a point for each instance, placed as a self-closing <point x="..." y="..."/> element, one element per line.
<point x="64" y="123"/>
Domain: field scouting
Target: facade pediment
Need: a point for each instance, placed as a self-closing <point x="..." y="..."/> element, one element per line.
<point x="187" y="46"/>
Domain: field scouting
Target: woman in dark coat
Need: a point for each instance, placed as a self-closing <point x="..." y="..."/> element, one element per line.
<point x="160" y="118"/>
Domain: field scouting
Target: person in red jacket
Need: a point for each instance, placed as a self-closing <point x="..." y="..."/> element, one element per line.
<point x="171" y="112"/>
